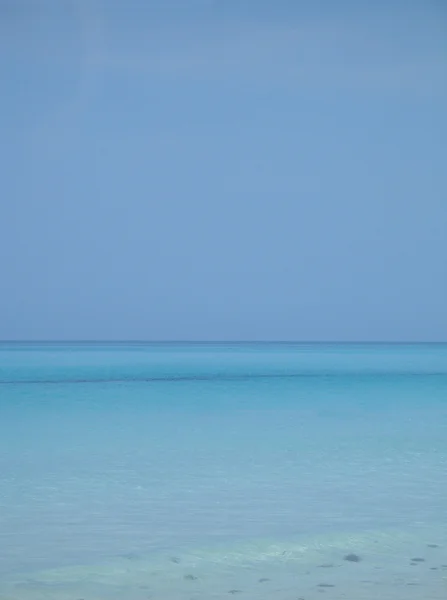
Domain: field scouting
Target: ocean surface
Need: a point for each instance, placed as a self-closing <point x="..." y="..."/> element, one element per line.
<point x="205" y="471"/>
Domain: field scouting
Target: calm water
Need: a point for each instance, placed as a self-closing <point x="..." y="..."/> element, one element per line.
<point x="193" y="471"/>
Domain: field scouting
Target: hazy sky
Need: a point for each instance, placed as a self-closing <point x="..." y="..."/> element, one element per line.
<point x="223" y="169"/>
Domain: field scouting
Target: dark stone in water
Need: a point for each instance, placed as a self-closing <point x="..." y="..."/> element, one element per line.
<point x="432" y="546"/>
<point x="263" y="579"/>
<point x="190" y="578"/>
<point x="352" y="558"/>
<point x="235" y="592"/>
<point x="131" y="556"/>
<point x="325" y="566"/>
<point x="175" y="559"/>
<point x="417" y="560"/>
<point x="326" y="585"/>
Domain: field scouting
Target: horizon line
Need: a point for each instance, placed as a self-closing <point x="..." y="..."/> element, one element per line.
<point x="217" y="341"/>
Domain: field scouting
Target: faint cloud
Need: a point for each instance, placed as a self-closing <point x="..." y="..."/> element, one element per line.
<point x="84" y="39"/>
<point x="50" y="52"/>
<point x="353" y="55"/>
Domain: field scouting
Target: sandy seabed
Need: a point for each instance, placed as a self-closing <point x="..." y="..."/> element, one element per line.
<point x="375" y="565"/>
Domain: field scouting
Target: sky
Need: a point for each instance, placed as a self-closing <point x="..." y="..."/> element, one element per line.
<point x="223" y="170"/>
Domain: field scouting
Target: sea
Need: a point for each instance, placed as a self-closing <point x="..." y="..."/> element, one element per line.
<point x="200" y="471"/>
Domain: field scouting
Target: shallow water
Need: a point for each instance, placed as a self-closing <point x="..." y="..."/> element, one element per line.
<point x="209" y="471"/>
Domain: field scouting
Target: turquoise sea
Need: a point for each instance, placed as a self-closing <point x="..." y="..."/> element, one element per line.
<point x="134" y="471"/>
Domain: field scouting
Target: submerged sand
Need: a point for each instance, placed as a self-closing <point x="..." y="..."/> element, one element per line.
<point x="392" y="564"/>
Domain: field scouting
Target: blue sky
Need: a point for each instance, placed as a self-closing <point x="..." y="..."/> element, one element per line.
<point x="211" y="169"/>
